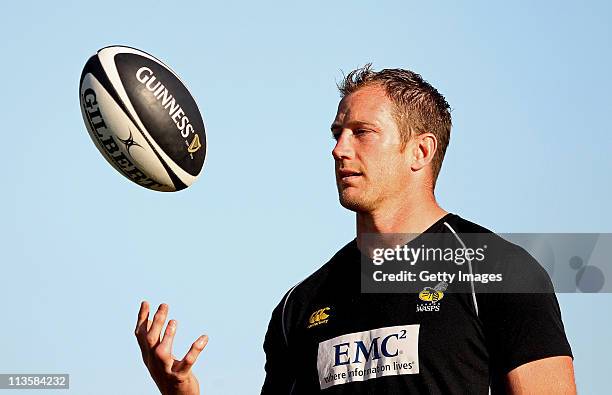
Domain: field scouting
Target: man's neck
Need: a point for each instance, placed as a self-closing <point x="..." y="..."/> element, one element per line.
<point x="407" y="218"/>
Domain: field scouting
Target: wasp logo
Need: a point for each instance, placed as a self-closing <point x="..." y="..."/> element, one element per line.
<point x="432" y="295"/>
<point x="318" y="317"/>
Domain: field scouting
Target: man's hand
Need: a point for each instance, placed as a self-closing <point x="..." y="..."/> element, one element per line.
<point x="171" y="375"/>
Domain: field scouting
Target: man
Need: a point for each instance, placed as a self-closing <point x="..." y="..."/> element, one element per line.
<point x="326" y="336"/>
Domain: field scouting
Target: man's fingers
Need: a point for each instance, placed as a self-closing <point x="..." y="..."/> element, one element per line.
<point x="192" y="355"/>
<point x="164" y="350"/>
<point x="143" y="315"/>
<point x="158" y="323"/>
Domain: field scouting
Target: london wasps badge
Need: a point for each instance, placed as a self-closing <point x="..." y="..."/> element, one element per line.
<point x="433" y="296"/>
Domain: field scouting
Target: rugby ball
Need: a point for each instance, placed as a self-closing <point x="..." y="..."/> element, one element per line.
<point x="142" y="118"/>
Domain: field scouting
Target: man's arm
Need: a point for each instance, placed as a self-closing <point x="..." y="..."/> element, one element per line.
<point x="529" y="351"/>
<point x="279" y="372"/>
<point x="553" y="375"/>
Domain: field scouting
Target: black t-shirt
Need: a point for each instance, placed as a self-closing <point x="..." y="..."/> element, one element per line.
<point x="326" y="336"/>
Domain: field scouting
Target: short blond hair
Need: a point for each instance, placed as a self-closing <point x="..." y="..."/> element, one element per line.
<point x="419" y="107"/>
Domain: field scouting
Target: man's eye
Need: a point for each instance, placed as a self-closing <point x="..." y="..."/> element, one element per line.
<point x="360" y="131"/>
<point x="335" y="136"/>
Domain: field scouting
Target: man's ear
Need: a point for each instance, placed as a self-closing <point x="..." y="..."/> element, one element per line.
<point x="423" y="150"/>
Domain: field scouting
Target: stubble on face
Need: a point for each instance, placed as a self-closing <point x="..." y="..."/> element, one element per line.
<point x="369" y="162"/>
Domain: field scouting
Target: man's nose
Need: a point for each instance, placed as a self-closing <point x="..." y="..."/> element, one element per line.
<point x="344" y="147"/>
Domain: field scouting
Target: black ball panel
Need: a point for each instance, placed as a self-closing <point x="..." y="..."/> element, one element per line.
<point x="166" y="108"/>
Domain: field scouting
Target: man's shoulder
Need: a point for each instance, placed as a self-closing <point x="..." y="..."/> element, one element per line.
<point x="523" y="273"/>
<point x="325" y="281"/>
<point x="462" y="225"/>
<point x="471" y="233"/>
<point x="329" y="271"/>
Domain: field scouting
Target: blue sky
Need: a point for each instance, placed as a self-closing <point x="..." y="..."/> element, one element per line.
<point x="530" y="151"/>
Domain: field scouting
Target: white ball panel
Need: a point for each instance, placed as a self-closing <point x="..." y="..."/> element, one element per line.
<point x="129" y="148"/>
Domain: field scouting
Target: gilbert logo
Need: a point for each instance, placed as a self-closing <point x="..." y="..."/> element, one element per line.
<point x="318" y="317"/>
<point x="129" y="142"/>
<point x="104" y="135"/>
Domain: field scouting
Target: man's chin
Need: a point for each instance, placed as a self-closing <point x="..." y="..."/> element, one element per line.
<point x="352" y="203"/>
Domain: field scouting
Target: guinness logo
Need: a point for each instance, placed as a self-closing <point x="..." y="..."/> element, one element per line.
<point x="195" y="145"/>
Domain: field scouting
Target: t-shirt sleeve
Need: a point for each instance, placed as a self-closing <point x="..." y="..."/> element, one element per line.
<point x="279" y="378"/>
<point x="523" y="326"/>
